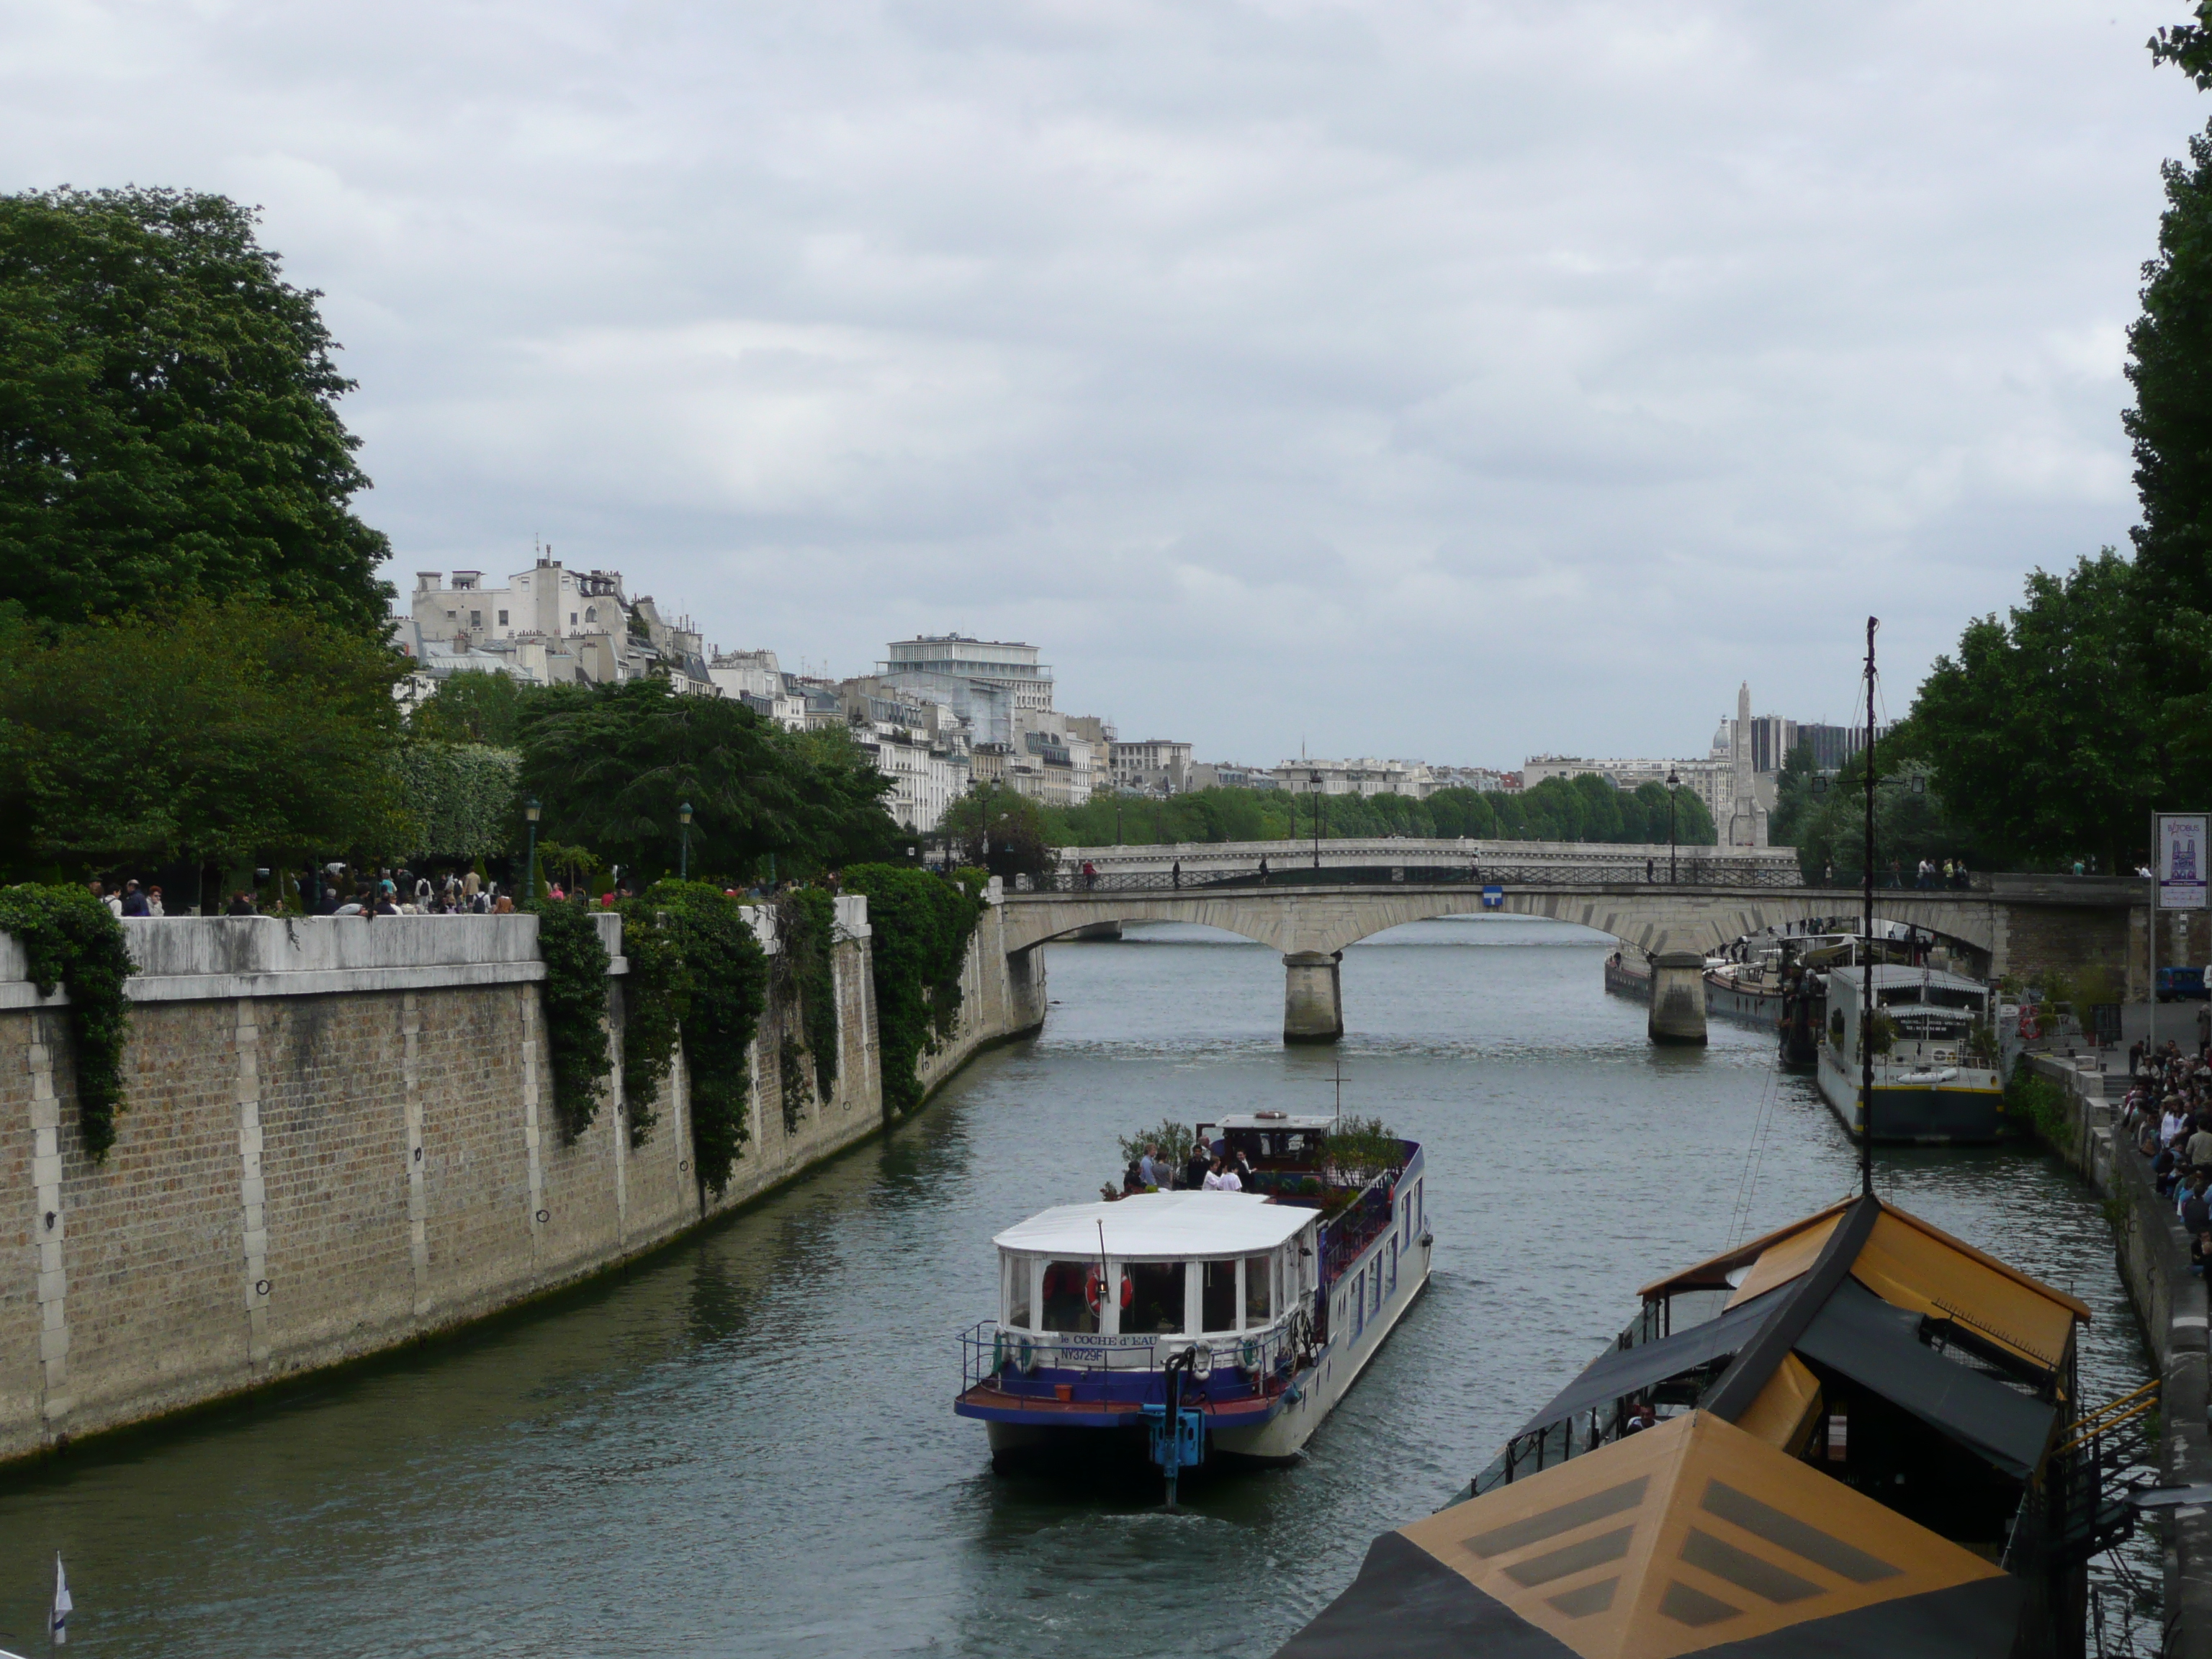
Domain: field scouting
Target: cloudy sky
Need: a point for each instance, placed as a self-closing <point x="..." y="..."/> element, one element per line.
<point x="1437" y="378"/>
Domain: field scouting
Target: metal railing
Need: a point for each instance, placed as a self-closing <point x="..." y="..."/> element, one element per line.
<point x="1035" y="1363"/>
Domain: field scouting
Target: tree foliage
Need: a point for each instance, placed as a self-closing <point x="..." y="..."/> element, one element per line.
<point x="215" y="732"/>
<point x="575" y="1001"/>
<point x="613" y="764"/>
<point x="168" y="425"/>
<point x="69" y="940"/>
<point x="2188" y="45"/>
<point x="1909" y="823"/>
<point x="473" y="708"/>
<point x="921" y="925"/>
<point x="724" y="988"/>
<point x="2040" y="730"/>
<point x="460" y="798"/>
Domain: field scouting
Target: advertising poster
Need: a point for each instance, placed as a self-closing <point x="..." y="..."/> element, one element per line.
<point x="2181" y="861"/>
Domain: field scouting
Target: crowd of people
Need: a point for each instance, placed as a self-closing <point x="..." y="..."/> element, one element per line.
<point x="1212" y="1166"/>
<point x="2168" y="1112"/>
<point x="336" y="890"/>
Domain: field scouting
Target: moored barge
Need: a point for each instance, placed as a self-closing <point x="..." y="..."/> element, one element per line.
<point x="1856" y="1435"/>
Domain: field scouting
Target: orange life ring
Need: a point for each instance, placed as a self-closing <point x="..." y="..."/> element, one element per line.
<point x="2029" y="1028"/>
<point x="1094" y="1289"/>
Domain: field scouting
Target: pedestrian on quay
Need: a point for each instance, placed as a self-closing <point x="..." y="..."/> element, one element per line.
<point x="134" y="900"/>
<point x="2198" y="1147"/>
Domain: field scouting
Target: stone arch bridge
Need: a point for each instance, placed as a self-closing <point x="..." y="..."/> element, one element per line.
<point x="2013" y="923"/>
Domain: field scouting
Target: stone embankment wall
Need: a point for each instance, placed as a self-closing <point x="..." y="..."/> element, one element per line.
<point x="339" y="1137"/>
<point x="2154" y="1253"/>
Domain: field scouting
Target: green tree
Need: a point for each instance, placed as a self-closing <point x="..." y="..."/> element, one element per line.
<point x="460" y="799"/>
<point x="213" y="735"/>
<point x="2188" y="45"/>
<point x="2039" y="731"/>
<point x="168" y="425"/>
<point x="613" y="764"/>
<point x="477" y="707"/>
<point x="921" y="923"/>
<point x="999" y="828"/>
<point x="1793" y="797"/>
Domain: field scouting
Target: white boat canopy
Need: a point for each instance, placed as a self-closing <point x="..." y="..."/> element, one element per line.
<point x="1891" y="976"/>
<point x="1156" y="1225"/>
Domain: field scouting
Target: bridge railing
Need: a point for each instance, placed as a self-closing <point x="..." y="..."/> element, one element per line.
<point x="1687" y="872"/>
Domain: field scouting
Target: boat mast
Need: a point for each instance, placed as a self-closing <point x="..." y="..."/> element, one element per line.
<point x="1866" y="991"/>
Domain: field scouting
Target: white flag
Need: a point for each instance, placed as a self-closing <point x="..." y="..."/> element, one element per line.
<point x="63" y="1605"/>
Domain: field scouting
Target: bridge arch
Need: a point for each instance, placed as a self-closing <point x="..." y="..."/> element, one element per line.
<point x="1312" y="927"/>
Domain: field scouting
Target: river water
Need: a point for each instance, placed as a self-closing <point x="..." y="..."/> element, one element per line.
<point x="745" y="1445"/>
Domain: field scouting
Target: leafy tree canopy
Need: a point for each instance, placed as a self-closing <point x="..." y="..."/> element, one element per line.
<point x="216" y="734"/>
<point x="611" y="766"/>
<point x="2039" y="731"/>
<point x="2188" y="46"/>
<point x="477" y="707"/>
<point x="168" y="428"/>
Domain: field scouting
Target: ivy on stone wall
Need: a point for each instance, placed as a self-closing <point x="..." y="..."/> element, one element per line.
<point x="922" y="923"/>
<point x="70" y="939"/>
<point x="656" y="997"/>
<point x="720" y="988"/>
<point x="806" y="936"/>
<point x="461" y="797"/>
<point x="575" y="1000"/>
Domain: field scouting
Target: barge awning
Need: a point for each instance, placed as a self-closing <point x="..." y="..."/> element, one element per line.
<point x="1147" y="1225"/>
<point x="1619" y="1372"/>
<point x="1879" y="1346"/>
<point x="1690" y="1536"/>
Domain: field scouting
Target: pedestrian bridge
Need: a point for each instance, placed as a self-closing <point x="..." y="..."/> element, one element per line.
<point x="2003" y="924"/>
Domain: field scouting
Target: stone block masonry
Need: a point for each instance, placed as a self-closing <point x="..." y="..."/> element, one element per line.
<point x="338" y="1137"/>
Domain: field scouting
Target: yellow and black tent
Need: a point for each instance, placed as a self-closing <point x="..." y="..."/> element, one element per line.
<point x="1689" y="1536"/>
<point x="1872" y="1411"/>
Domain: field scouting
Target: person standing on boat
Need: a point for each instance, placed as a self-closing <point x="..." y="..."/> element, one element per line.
<point x="1148" y="1166"/>
<point x="1196" y="1168"/>
<point x="1222" y="1177"/>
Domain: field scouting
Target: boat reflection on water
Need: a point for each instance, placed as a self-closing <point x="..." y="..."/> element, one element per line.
<point x="1857" y="1434"/>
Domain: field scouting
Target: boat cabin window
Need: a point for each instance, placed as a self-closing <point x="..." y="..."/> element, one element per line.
<point x="1154" y="1303"/>
<point x="1259" y="1290"/>
<point x="1069" y="1288"/>
<point x="1018" y="1274"/>
<point x="1217" y="1295"/>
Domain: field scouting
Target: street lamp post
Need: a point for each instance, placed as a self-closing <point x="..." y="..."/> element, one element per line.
<point x="1673" y="782"/>
<point x="1313" y="780"/>
<point x="684" y="816"/>
<point x="530" y="888"/>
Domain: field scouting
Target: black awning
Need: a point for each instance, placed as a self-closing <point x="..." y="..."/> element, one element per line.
<point x="1879" y="1346"/>
<point x="1620" y="1371"/>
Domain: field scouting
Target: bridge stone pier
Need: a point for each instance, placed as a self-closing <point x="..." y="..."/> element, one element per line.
<point x="2015" y="924"/>
<point x="1313" y="996"/>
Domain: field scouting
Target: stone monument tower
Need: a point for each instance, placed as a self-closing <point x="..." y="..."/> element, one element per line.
<point x="1746" y="824"/>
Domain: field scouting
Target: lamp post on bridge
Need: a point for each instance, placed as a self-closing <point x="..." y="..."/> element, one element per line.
<point x="1313" y="778"/>
<point x="1673" y="782"/>
<point x="529" y="811"/>
<point x="684" y="866"/>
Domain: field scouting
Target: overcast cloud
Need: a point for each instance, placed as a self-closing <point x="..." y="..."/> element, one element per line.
<point x="1455" y="380"/>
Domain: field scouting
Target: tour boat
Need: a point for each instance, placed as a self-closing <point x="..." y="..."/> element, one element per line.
<point x="1937" y="1078"/>
<point x="1218" y="1324"/>
<point x="1856" y="1435"/>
